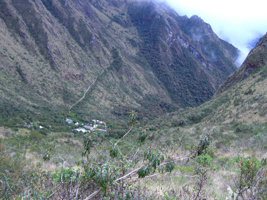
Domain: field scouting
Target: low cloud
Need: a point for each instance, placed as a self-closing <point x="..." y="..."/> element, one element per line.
<point x="237" y="22"/>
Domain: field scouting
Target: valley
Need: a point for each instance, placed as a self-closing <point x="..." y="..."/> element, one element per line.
<point x="177" y="118"/>
<point x="150" y="55"/>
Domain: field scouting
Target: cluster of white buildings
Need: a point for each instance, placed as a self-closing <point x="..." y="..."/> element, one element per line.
<point x="88" y="127"/>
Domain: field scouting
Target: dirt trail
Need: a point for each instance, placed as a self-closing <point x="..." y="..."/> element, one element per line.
<point x="87" y="90"/>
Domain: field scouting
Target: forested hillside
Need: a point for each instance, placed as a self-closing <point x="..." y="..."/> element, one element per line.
<point x="121" y="100"/>
<point x="117" y="55"/>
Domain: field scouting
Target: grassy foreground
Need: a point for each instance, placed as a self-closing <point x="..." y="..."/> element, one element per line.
<point x="23" y="152"/>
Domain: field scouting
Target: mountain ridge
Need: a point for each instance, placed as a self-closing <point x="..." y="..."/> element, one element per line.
<point x="52" y="51"/>
<point x="254" y="60"/>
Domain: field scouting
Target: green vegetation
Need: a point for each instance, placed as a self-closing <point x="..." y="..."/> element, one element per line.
<point x="79" y="42"/>
<point x="117" y="62"/>
<point x="54" y="11"/>
<point x="36" y="29"/>
<point x="213" y="151"/>
<point x="186" y="85"/>
<point x="109" y="173"/>
<point x="11" y="22"/>
<point x="16" y="116"/>
<point x="22" y="75"/>
<point x="130" y="156"/>
<point x="82" y="35"/>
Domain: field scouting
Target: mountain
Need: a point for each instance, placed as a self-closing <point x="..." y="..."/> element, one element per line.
<point x="253" y="63"/>
<point x="236" y="119"/>
<point x="254" y="41"/>
<point x="244" y="91"/>
<point x="117" y="54"/>
<point x="241" y="99"/>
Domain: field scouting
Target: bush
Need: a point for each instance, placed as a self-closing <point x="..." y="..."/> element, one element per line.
<point x="244" y="128"/>
<point x="237" y="101"/>
<point x="35" y="136"/>
<point x="249" y="91"/>
<point x="44" y="131"/>
<point x="250" y="181"/>
<point x="177" y="122"/>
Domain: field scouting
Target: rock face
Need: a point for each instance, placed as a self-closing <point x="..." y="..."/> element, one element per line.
<point x="134" y="55"/>
<point x="256" y="58"/>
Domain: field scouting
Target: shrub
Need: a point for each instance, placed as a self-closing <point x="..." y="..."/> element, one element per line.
<point x="35" y="136"/>
<point x="102" y="175"/>
<point x="105" y="172"/>
<point x="250" y="181"/>
<point x="249" y="91"/>
<point x="237" y="101"/>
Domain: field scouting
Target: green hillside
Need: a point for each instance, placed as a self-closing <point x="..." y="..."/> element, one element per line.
<point x="214" y="151"/>
<point x="121" y="99"/>
<point x="115" y="55"/>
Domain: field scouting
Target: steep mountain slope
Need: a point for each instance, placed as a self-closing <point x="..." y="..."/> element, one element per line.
<point x="129" y="54"/>
<point x="182" y="52"/>
<point x="242" y="98"/>
<point x="245" y="91"/>
<point x="256" y="60"/>
<point x="236" y="118"/>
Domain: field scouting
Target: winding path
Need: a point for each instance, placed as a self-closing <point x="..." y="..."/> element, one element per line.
<point x="87" y="90"/>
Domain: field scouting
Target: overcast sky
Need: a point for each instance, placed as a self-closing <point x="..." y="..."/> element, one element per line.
<point x="236" y="21"/>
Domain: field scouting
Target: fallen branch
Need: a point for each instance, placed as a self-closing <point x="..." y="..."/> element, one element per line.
<point x="144" y="177"/>
<point x="135" y="172"/>
<point x="241" y="192"/>
<point x="124" y="135"/>
<point x="93" y="195"/>
<point x="77" y="192"/>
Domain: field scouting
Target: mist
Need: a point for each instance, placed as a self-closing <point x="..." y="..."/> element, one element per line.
<point x="237" y="22"/>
